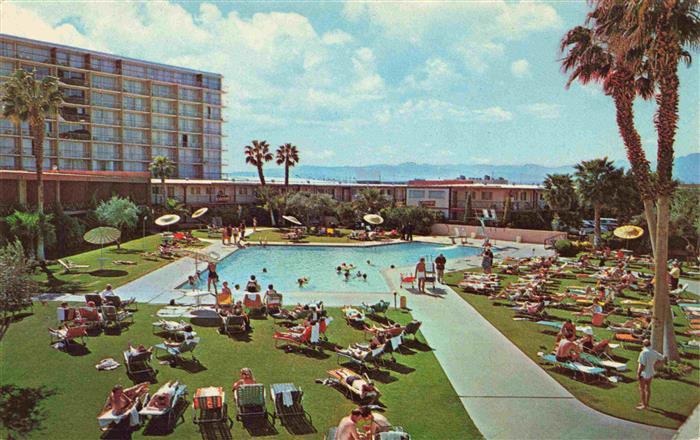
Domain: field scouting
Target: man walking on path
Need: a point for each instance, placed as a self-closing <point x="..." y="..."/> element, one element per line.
<point x="440" y="262"/>
<point x="648" y="359"/>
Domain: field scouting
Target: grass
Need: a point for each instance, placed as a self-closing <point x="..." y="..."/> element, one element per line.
<point x="416" y="392"/>
<point x="95" y="278"/>
<point x="672" y="400"/>
<point x="275" y="235"/>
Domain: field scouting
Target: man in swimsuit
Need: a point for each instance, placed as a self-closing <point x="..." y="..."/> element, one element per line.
<point x="213" y="276"/>
<point x="420" y="275"/>
<point x="347" y="428"/>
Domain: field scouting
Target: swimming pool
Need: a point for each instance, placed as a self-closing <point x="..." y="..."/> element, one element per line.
<point x="286" y="264"/>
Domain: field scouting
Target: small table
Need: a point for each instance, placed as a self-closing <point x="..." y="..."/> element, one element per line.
<point x="197" y="295"/>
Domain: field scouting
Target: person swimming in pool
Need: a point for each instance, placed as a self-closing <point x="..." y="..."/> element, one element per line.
<point x="303" y="281"/>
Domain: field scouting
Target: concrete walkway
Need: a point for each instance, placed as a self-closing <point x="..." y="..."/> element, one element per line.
<point x="507" y="395"/>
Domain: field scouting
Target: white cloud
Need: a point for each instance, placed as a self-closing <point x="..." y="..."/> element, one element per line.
<point x="520" y="68"/>
<point x="431" y="109"/>
<point x="337" y="37"/>
<point x="543" y="110"/>
<point x="477" y="54"/>
<point x="493" y="114"/>
<point x="436" y="74"/>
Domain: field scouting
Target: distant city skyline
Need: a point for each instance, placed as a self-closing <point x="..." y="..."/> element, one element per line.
<point x="370" y="83"/>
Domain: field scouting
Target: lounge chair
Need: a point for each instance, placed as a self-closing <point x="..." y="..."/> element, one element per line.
<point x="363" y="360"/>
<point x="273" y="303"/>
<point x="172" y="328"/>
<point x="288" y="401"/>
<point x="176" y="352"/>
<point x="406" y="279"/>
<point x="396" y="433"/>
<point x="330" y="435"/>
<point x="210" y="407"/>
<point x="90" y="317"/>
<point x="301" y="339"/>
<point x="253" y="302"/>
<point x="355" y="386"/>
<point x="353" y="315"/>
<point x="380" y="307"/>
<point x="234" y="324"/>
<point x="69" y="266"/>
<point x="68" y="335"/>
<point x="250" y="401"/>
<point x="138" y="363"/>
<point x="603" y="363"/>
<point x="113" y="316"/>
<point x="121" y="304"/>
<point x="139" y="395"/>
<point x="576" y="367"/>
<point x="94" y="298"/>
<point x="628" y="338"/>
<point x="412" y="329"/>
<point x="65" y="315"/>
<point x="165" y="401"/>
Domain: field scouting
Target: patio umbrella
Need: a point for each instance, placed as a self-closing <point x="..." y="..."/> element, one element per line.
<point x="292" y="219"/>
<point x="167" y="220"/>
<point x="200" y="212"/>
<point x="628" y="232"/>
<point x="102" y="236"/>
<point x="373" y="219"/>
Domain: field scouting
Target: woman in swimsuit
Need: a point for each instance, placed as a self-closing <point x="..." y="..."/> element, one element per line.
<point x="213" y="276"/>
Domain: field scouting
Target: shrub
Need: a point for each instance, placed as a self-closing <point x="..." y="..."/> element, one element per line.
<point x="69" y="232"/>
<point x="565" y="248"/>
<point x="674" y="370"/>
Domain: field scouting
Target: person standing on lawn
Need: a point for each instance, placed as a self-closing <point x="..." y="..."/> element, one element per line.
<point x="648" y="359"/>
<point x="440" y="262"/>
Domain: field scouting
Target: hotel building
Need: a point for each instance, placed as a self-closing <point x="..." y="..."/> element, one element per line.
<point x="118" y="113"/>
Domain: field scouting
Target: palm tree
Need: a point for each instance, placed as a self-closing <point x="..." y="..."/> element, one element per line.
<point x="257" y="154"/>
<point x="288" y="155"/>
<point x="370" y="201"/>
<point x="596" y="181"/>
<point x="559" y="193"/>
<point x="29" y="226"/>
<point x="161" y="168"/>
<point x="660" y="34"/>
<point x="27" y="99"/>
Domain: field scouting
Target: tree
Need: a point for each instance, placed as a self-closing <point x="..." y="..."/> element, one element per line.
<point x="507" y="211"/>
<point x="468" y="209"/>
<point x="596" y="183"/>
<point x="69" y="231"/>
<point x="420" y="217"/>
<point x="16" y="283"/>
<point x="311" y="207"/>
<point x="270" y="201"/>
<point x="257" y="154"/>
<point x="287" y="155"/>
<point x="162" y="168"/>
<point x="27" y="99"/>
<point x="118" y="212"/>
<point x="652" y="37"/>
<point x="685" y="215"/>
<point x="173" y="206"/>
<point x="29" y="226"/>
<point x="560" y="196"/>
<point x="346" y="214"/>
<point x="370" y="201"/>
<point x="627" y="203"/>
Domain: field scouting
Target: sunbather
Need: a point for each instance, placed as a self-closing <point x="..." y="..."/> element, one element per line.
<point x="567" y="351"/>
<point x="347" y="428"/>
<point x="131" y="351"/>
<point x="119" y="401"/>
<point x="358" y="384"/>
<point x="567" y="331"/>
<point x="377" y="423"/>
<point x="358" y="352"/>
<point x="246" y="378"/>
<point x="252" y="286"/>
<point x="187" y="333"/>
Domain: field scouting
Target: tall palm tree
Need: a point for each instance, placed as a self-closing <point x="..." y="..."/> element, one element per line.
<point x="596" y="182"/>
<point x="661" y="33"/>
<point x="27" y="99"/>
<point x="162" y="168"/>
<point x="256" y="155"/>
<point x="288" y="155"/>
<point x="559" y="193"/>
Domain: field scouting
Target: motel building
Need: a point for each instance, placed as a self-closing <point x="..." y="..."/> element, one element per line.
<point x="449" y="197"/>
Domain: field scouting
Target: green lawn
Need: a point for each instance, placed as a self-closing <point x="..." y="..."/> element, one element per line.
<point x="416" y="392"/>
<point x="672" y="400"/>
<point x="276" y="235"/>
<point x="95" y="278"/>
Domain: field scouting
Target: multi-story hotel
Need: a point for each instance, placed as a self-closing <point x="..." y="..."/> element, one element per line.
<point x="118" y="113"/>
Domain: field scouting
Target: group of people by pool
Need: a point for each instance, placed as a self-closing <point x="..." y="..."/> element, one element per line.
<point x="346" y="270"/>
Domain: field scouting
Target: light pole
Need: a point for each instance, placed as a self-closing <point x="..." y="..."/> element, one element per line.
<point x="143" y="241"/>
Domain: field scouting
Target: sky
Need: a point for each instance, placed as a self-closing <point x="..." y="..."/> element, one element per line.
<point x="359" y="83"/>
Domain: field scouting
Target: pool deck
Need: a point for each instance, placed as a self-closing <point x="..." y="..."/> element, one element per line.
<point x="534" y="406"/>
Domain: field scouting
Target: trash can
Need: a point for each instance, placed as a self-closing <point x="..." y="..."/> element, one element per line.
<point x="403" y="302"/>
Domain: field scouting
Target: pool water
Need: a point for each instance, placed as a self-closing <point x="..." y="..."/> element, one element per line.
<point x="286" y="264"/>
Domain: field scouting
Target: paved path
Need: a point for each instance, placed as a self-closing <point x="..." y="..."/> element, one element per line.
<point x="507" y="394"/>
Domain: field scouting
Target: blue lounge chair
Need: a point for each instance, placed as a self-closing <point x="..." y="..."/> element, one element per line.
<point x="576" y="367"/>
<point x="187" y="346"/>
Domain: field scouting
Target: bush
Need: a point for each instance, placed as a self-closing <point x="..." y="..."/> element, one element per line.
<point x="565" y="248"/>
<point x="69" y="232"/>
<point x="674" y="370"/>
<point x="532" y="220"/>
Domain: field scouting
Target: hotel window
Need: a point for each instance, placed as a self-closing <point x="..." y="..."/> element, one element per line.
<point x="212" y="127"/>
<point x="189" y="110"/>
<point x="7" y="146"/>
<point x="70" y="59"/>
<point x="163" y="138"/>
<point x="187" y="171"/>
<point x="135" y="136"/>
<point x="190" y="94"/>
<point x="243" y="191"/>
<point x="134" y="166"/>
<point x="134" y="152"/>
<point x="191" y="125"/>
<point x="212" y="155"/>
<point x="104" y="151"/>
<point x="212" y="142"/>
<point x="165" y="152"/>
<point x="523" y="195"/>
<point x="436" y="194"/>
<point x="486" y="195"/>
<point x="134" y="103"/>
<point x="133" y="70"/>
<point x="28" y="151"/>
<point x="163" y="91"/>
<point x="165" y="107"/>
<point x="33" y="53"/>
<point x="74" y="131"/>
<point x="72" y="149"/>
<point x="7" y="49"/>
<point x="100" y="116"/>
<point x="103" y="65"/>
<point x="7" y="127"/>
<point x="416" y="193"/>
<point x="186" y="78"/>
<point x="213" y="113"/>
<point x="212" y="98"/>
<point x="105" y="165"/>
<point x="188" y="156"/>
<point x="104" y="82"/>
<point x="108" y="134"/>
<point x="162" y="122"/>
<point x="104" y="100"/>
<point x="73" y="164"/>
<point x="40" y="72"/>
<point x="6" y="68"/>
<point x="211" y="83"/>
<point x="132" y="86"/>
<point x="137" y="120"/>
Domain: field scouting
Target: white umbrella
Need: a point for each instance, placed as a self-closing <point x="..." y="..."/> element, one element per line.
<point x="292" y="219"/>
<point x="102" y="236"/>
<point x="373" y="219"/>
<point x="167" y="220"/>
<point x="200" y="212"/>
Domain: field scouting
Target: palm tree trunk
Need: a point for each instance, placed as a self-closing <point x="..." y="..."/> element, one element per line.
<point x="650" y="215"/>
<point x="164" y="191"/>
<point x="286" y="176"/>
<point x="261" y="175"/>
<point x="596" y="227"/>
<point x="36" y="127"/>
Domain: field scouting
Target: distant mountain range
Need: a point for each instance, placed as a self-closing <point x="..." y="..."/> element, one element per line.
<point x="686" y="169"/>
